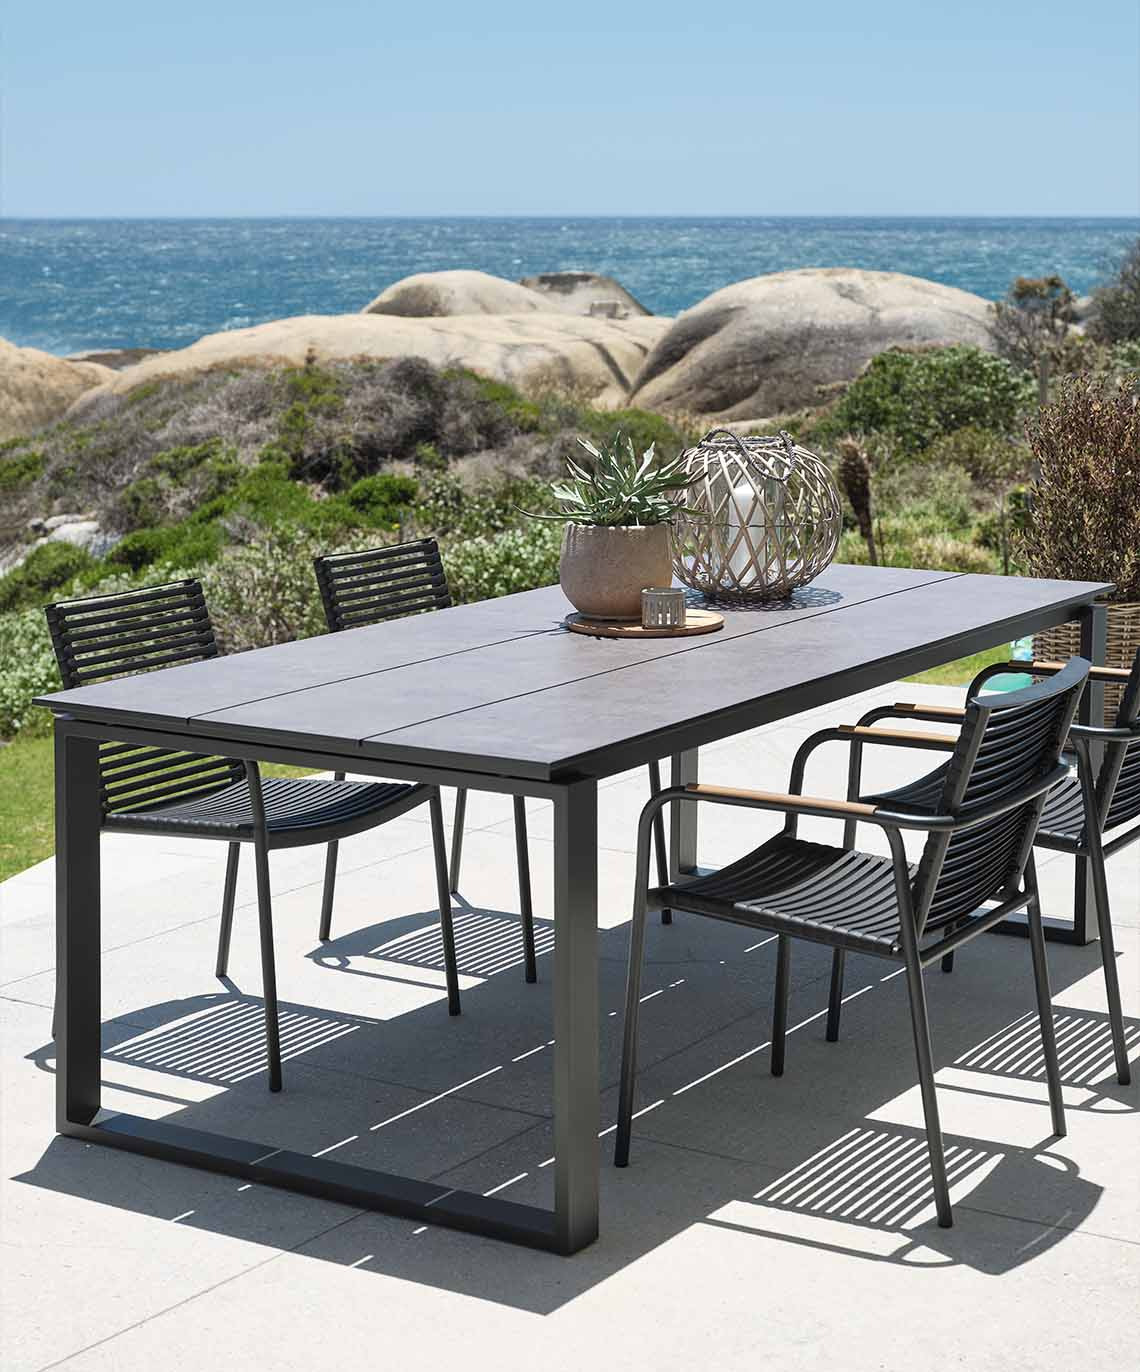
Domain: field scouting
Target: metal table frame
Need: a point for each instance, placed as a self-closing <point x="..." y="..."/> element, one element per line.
<point x="573" y="1223"/>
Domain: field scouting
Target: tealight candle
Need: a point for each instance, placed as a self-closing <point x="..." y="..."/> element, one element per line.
<point x="662" y="607"/>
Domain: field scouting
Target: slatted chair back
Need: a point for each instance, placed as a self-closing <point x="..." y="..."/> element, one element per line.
<point x="1006" y="746"/>
<point x="1119" y="780"/>
<point x="381" y="583"/>
<point x="99" y="638"/>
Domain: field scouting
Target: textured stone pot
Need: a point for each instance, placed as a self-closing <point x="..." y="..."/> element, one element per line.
<point x="603" y="571"/>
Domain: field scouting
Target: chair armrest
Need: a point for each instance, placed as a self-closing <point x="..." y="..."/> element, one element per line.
<point x="907" y="709"/>
<point x="1097" y="733"/>
<point x="790" y="803"/>
<point x="953" y="714"/>
<point x="1107" y="675"/>
<point x="899" y="738"/>
<point x="782" y="800"/>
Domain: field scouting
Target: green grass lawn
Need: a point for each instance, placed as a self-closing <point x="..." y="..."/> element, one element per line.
<point x="962" y="672"/>
<point x="27" y="802"/>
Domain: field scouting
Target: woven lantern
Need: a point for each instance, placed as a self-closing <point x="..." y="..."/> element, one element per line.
<point x="767" y="518"/>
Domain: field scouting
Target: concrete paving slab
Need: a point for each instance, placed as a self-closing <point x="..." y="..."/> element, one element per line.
<point x="761" y="1220"/>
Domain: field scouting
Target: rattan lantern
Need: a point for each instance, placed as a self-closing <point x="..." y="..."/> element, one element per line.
<point x="765" y="518"/>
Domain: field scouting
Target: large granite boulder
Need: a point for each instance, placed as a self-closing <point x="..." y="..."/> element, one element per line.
<point x="36" y="388"/>
<point x="433" y="295"/>
<point x="786" y="340"/>
<point x="585" y="293"/>
<point x="597" y="356"/>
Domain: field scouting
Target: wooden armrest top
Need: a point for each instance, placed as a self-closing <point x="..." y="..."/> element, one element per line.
<point x="872" y="734"/>
<point x="948" y="712"/>
<point x="1097" y="673"/>
<point x="846" y="807"/>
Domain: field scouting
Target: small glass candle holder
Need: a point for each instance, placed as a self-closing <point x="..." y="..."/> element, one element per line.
<point x="662" y="607"/>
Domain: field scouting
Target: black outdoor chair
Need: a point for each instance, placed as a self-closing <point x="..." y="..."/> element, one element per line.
<point x="164" y="792"/>
<point x="979" y="849"/>
<point x="1091" y="814"/>
<point x="369" y="587"/>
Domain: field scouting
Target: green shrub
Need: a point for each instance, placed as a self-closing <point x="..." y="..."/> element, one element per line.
<point x="990" y="458"/>
<point x="515" y="560"/>
<point x="178" y="463"/>
<point x="21" y="469"/>
<point x="267" y="495"/>
<point x="266" y="592"/>
<point x="522" y="414"/>
<point x="914" y="397"/>
<point x="46" y="568"/>
<point x="142" y="503"/>
<point x="27" y="669"/>
<point x="1005" y="525"/>
<point x="1116" y="307"/>
<point x="642" y="426"/>
<point x="1085" y="523"/>
<point x="448" y="505"/>
<point x="189" y="543"/>
<point x="381" y="500"/>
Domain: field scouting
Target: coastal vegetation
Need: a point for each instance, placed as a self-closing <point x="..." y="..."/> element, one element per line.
<point x="241" y="474"/>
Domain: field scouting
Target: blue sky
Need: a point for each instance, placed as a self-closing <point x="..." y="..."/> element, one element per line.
<point x="626" y="107"/>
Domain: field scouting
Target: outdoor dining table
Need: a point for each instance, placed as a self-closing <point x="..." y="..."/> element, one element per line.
<point x="498" y="697"/>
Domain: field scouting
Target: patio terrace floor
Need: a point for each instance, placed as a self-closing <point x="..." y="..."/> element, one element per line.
<point x="762" y="1222"/>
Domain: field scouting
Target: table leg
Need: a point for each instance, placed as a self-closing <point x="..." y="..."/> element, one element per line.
<point x="78" y="1014"/>
<point x="683" y="820"/>
<point x="576" y="1016"/>
<point x="1094" y="633"/>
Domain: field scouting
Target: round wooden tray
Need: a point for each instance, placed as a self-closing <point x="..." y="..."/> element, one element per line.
<point x="696" y="622"/>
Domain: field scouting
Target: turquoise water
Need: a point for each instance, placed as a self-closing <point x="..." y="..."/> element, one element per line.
<point x="69" y="285"/>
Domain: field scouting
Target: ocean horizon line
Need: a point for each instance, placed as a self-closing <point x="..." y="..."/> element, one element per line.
<point x="552" y="216"/>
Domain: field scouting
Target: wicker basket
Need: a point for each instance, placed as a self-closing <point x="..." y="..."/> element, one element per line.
<point x="1123" y="639"/>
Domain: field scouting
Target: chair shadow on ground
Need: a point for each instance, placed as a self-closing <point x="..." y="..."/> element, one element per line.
<point x="467" y="1101"/>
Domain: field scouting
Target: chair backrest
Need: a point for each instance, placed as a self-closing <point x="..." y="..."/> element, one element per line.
<point x="1119" y="780"/>
<point x="1007" y="745"/>
<point x="381" y="583"/>
<point x="99" y="638"/>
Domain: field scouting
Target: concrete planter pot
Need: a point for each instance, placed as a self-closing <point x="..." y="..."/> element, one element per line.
<point x="603" y="571"/>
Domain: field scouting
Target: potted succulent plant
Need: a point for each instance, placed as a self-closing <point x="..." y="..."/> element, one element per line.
<point x="617" y="508"/>
<point x="1084" y="523"/>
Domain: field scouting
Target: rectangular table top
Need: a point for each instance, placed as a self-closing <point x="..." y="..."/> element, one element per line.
<point x="500" y="687"/>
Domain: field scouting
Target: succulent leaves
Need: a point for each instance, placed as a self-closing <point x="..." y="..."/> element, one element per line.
<point x="619" y="489"/>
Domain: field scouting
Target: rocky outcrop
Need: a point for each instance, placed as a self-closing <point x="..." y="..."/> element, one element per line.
<point x="436" y="295"/>
<point x="782" y="341"/>
<point x="598" y="356"/>
<point x="585" y="293"/>
<point x="115" y="358"/>
<point x="80" y="530"/>
<point x="37" y="388"/>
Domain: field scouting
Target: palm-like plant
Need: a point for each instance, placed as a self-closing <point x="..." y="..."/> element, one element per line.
<point x="619" y="489"/>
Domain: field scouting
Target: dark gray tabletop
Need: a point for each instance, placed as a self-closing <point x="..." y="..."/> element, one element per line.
<point x="500" y="687"/>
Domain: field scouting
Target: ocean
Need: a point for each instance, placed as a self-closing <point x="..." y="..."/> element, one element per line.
<point x="73" y="285"/>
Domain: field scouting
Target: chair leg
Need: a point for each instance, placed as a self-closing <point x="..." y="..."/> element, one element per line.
<point x="227" y="925"/>
<point x="921" y="1026"/>
<point x="660" y="848"/>
<point x="324" y="933"/>
<point x="835" y="995"/>
<point x="1108" y="958"/>
<point x="1044" y="1003"/>
<point x="526" y="908"/>
<point x="780" y="1007"/>
<point x="268" y="967"/>
<point x="629" y="1036"/>
<point x="457" y="838"/>
<point x="443" y="890"/>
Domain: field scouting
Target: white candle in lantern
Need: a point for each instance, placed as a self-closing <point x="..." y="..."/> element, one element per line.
<point x="757" y="523"/>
